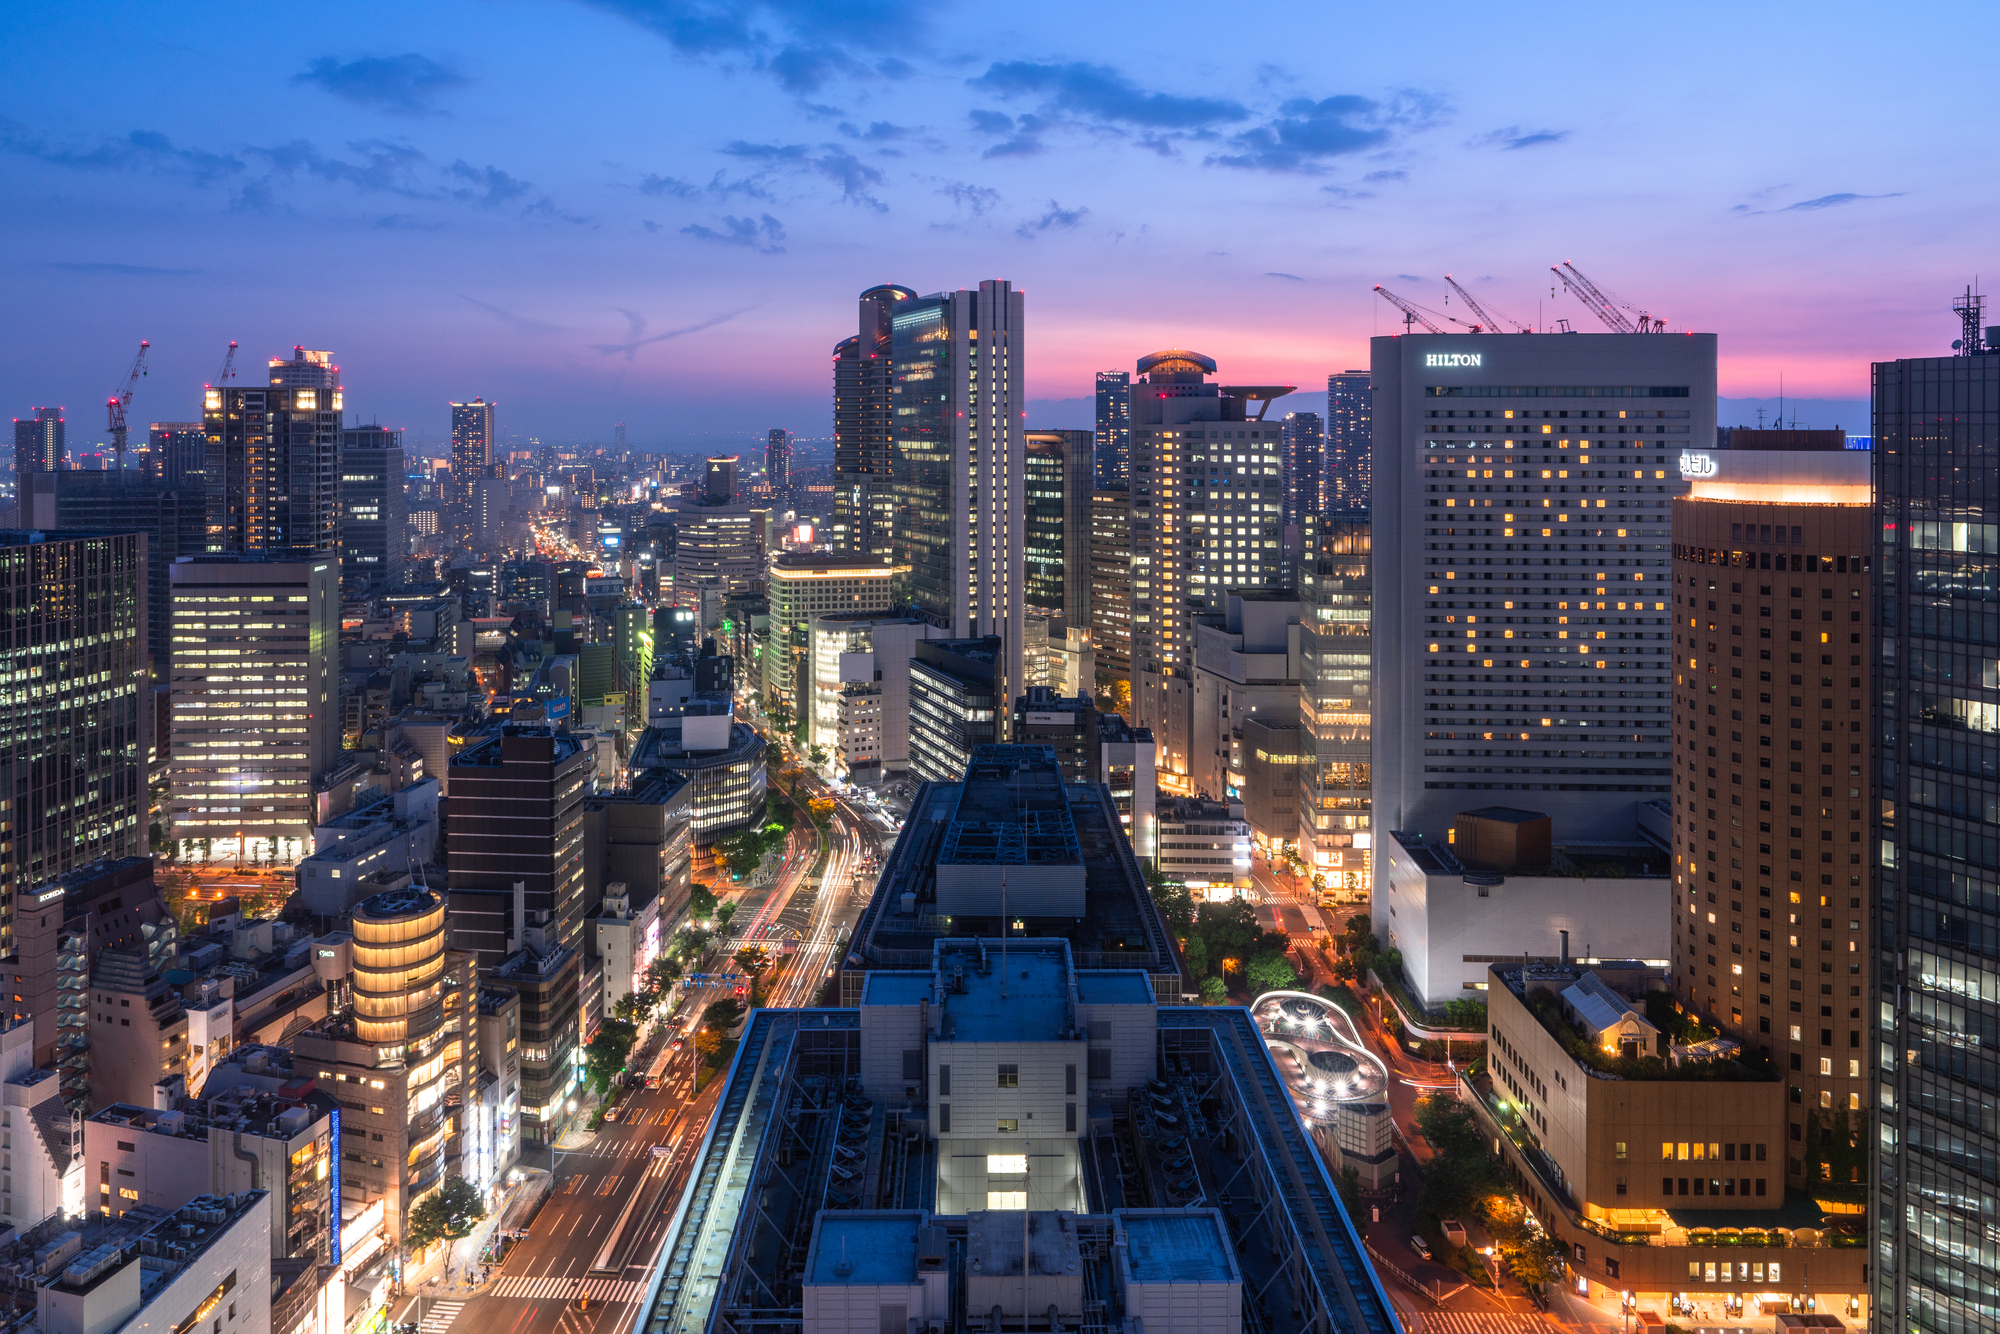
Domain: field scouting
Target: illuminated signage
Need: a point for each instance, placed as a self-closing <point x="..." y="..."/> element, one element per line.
<point x="1698" y="465"/>
<point x="1452" y="358"/>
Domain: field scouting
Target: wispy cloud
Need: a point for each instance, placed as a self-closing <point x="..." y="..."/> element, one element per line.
<point x="508" y="317"/>
<point x="1307" y="134"/>
<point x="1292" y="276"/>
<point x="1057" y="218"/>
<point x="975" y="199"/>
<point x="120" y="270"/>
<point x="637" y="322"/>
<point x="137" y="150"/>
<point x="1815" y="205"/>
<point x="1102" y="94"/>
<point x="405" y="85"/>
<point x="855" y="178"/>
<point x="1512" y="138"/>
<point x="803" y="45"/>
<point x="764" y="234"/>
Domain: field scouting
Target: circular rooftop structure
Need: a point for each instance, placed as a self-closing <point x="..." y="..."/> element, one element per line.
<point x="1319" y="1052"/>
<point x="391" y="904"/>
<point x="1176" y="363"/>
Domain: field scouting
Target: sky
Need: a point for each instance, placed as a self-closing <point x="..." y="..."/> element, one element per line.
<point x="660" y="211"/>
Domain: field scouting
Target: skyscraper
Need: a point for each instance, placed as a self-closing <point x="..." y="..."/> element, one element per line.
<point x="179" y="452"/>
<point x="718" y="485"/>
<point x="72" y="753"/>
<point x="778" y="457"/>
<point x="1771" y="602"/>
<point x="1523" y="639"/>
<point x="1111" y="593"/>
<point x="271" y="472"/>
<point x="1055" y="552"/>
<point x="373" y="533"/>
<point x="864" y="514"/>
<point x="1206" y="512"/>
<point x="959" y="463"/>
<point x="472" y="443"/>
<point x="1935" y="977"/>
<point x="1305" y="472"/>
<point x="255" y="698"/>
<point x="1336" y="596"/>
<point x="1349" y="431"/>
<point x="1114" y="430"/>
<point x="38" y="442"/>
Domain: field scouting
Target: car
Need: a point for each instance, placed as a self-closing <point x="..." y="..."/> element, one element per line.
<point x="611" y="1113"/>
<point x="1420" y="1246"/>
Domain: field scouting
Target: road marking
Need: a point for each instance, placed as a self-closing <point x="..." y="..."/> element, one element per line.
<point x="622" y="1290"/>
<point x="438" y="1319"/>
<point x="610" y="1184"/>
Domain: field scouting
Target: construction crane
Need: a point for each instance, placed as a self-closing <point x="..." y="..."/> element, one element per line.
<point x="1604" y="307"/>
<point x="1488" y="323"/>
<point x="228" y="371"/>
<point x="1412" y="314"/>
<point x="120" y="401"/>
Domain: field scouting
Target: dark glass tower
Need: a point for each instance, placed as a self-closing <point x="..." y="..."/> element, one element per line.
<point x="778" y="457"/>
<point x="373" y="542"/>
<point x="1350" y="417"/>
<point x="1937" y="841"/>
<point x="1305" y="442"/>
<point x="1114" y="430"/>
<point x="38" y="442"/>
<point x="1056" y="524"/>
<point x="472" y="440"/>
<point x="271" y="472"/>
<point x="864" y="500"/>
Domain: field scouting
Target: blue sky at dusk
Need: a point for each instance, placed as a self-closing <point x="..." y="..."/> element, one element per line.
<point x="660" y="211"/>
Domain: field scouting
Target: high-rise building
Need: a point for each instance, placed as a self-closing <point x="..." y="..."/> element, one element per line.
<point x="255" y="699"/>
<point x="1769" y="832"/>
<point x="473" y="441"/>
<point x="1111" y="592"/>
<point x="1335" y="714"/>
<point x="954" y="706"/>
<point x="517" y="817"/>
<point x="864" y="428"/>
<point x="1207" y="483"/>
<point x="718" y="483"/>
<point x="1933" y="986"/>
<point x="959" y="463"/>
<point x="804" y="587"/>
<point x="73" y="752"/>
<point x="1305" y="471"/>
<point x="373" y="531"/>
<point x="1114" y="430"/>
<point x="1055" y="525"/>
<point x="1547" y="678"/>
<point x="180" y="451"/>
<point x="39" y="442"/>
<point x="778" y="457"/>
<point x="618" y="437"/>
<point x="1347" y="458"/>
<point x="271" y="471"/>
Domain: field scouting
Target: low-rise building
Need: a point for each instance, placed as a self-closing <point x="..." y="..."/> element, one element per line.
<point x="1204" y="845"/>
<point x="205" y="1263"/>
<point x="395" y="832"/>
<point x="44" y="1168"/>
<point x="546" y="978"/>
<point x="1125" y="757"/>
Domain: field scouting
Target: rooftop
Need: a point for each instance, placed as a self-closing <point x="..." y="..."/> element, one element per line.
<point x="865" y="1248"/>
<point x="1177" y="1246"/>
<point x="1114" y="988"/>
<point x="1016" y="994"/>
<point x="1013" y="809"/>
<point x="1575" y="861"/>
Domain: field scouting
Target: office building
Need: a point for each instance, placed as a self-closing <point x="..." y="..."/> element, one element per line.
<point x="1205" y="845"/>
<point x="864" y="429"/>
<point x="74" y="754"/>
<point x="374" y="541"/>
<point x="1655" y="1162"/>
<point x="640" y="837"/>
<point x="861" y="689"/>
<point x="1304" y="439"/>
<point x="1066" y="724"/>
<point x="551" y="984"/>
<point x="1207" y="487"/>
<point x="1246" y="669"/>
<point x="1125" y="756"/>
<point x="1493" y="884"/>
<point x="718" y="552"/>
<point x="1111" y="591"/>
<point x="719" y="482"/>
<point x="159" y="1269"/>
<point x="40" y="443"/>
<point x="474" y="440"/>
<point x="1347" y="459"/>
<point x="1008" y="1070"/>
<point x="515" y="817"/>
<point x="1114" y="430"/>
<point x="1055" y="525"/>
<point x="959" y="464"/>
<point x="803" y="586"/>
<point x="1778" y="850"/>
<point x="272" y="468"/>
<point x="954" y="704"/>
<point x="1562" y="697"/>
<point x="1937" y="744"/>
<point x="1335" y="714"/>
<point x="778" y="458"/>
<point x="691" y="730"/>
<point x="44" y="1175"/>
<point x="255" y="716"/>
<point x="180" y="452"/>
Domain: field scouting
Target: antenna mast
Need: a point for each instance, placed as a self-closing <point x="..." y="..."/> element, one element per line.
<point x="1971" y="312"/>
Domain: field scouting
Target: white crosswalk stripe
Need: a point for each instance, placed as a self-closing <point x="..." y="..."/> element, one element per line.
<point x="439" y="1317"/>
<point x="1474" y="1322"/>
<point x="550" y="1288"/>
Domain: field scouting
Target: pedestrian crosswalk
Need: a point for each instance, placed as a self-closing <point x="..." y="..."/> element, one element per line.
<point x="1475" y="1322"/>
<point x="438" y="1318"/>
<point x="551" y="1288"/>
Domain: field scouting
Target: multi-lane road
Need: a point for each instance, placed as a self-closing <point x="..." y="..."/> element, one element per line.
<point x="584" y="1264"/>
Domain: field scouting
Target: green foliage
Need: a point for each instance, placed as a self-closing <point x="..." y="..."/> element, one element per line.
<point x="445" y="1215"/>
<point x="1269" y="970"/>
<point x="723" y="914"/>
<point x="701" y="902"/>
<point x="1463" y="1169"/>
<point x="604" y="1058"/>
<point x="1531" y="1255"/>
<point x="1547" y="1007"/>
<point x="1214" y="991"/>
<point x="1175" y="903"/>
<point x="723" y="1014"/>
<point x="1195" y="954"/>
<point x="1349" y="1186"/>
<point x="1343" y="995"/>
<point x="1469" y="1015"/>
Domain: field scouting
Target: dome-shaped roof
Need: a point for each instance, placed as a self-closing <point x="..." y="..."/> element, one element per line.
<point x="1176" y="361"/>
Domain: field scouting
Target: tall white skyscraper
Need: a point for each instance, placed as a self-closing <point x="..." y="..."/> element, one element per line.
<point x="960" y="457"/>
<point x="1522" y="526"/>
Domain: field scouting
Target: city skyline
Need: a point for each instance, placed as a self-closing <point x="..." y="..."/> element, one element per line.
<point x="582" y="271"/>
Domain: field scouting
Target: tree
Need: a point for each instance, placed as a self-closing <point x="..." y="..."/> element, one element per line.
<point x="753" y="960"/>
<point x="1269" y="971"/>
<point x="708" y="1044"/>
<point x="632" y="1007"/>
<point x="1214" y="991"/>
<point x="701" y="902"/>
<point x="817" y="754"/>
<point x="1175" y="903"/>
<point x="446" y="1215"/>
<point x="723" y="914"/>
<point x="1196" y="954"/>
<point x="604" y="1058"/>
<point x="1350" y="1192"/>
<point x="722" y="1015"/>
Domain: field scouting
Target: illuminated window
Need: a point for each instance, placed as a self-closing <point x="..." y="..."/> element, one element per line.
<point x="1007" y="1163"/>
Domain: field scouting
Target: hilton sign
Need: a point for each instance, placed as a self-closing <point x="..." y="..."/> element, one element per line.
<point x="1452" y="358"/>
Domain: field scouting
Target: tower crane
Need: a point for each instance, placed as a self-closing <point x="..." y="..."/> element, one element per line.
<point x="228" y="371"/>
<point x="1603" y="306"/>
<point x="1412" y="314"/>
<point x="1488" y="322"/>
<point x="115" y="407"/>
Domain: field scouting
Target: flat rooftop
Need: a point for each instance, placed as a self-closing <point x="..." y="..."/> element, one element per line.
<point x="1120" y="988"/>
<point x="1176" y="1246"/>
<point x="1013" y="809"/>
<point x="865" y="1249"/>
<point x="1016" y="994"/>
<point x="897" y="989"/>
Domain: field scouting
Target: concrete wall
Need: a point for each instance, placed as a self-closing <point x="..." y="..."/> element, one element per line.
<point x="1038" y="1104"/>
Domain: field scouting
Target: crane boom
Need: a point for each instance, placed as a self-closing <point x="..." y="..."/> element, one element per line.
<point x="1488" y="322"/>
<point x="1594" y="301"/>
<point x="115" y="407"/>
<point x="1412" y="314"/>
<point x="228" y="371"/>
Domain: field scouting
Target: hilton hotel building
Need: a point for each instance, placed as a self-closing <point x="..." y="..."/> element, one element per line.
<point x="1523" y="626"/>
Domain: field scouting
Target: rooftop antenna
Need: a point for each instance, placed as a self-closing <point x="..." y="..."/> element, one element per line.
<point x="1971" y="311"/>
